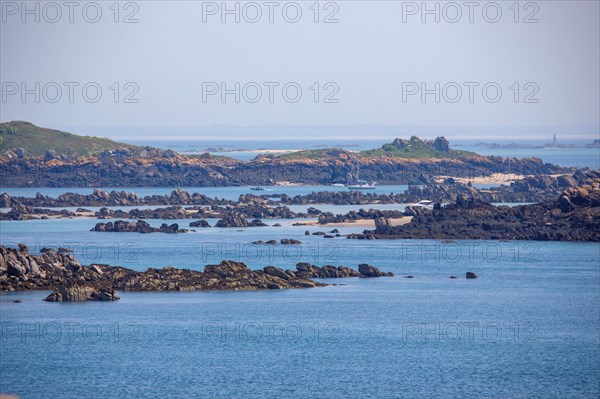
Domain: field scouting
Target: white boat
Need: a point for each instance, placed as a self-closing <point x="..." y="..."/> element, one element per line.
<point x="360" y="184"/>
<point x="423" y="203"/>
<point x="338" y="185"/>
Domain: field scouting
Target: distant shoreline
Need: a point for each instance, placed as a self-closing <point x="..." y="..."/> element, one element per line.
<point x="512" y="146"/>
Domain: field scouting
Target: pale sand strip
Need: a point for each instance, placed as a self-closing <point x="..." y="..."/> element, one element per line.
<point x="368" y="223"/>
<point x="495" y="178"/>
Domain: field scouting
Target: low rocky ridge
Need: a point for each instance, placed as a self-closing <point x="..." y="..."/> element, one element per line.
<point x="154" y="167"/>
<point x="249" y="207"/>
<point x="283" y="241"/>
<point x="121" y="226"/>
<point x="573" y="216"/>
<point x="530" y="189"/>
<point x="61" y="272"/>
<point x="352" y="216"/>
<point x="113" y="198"/>
<point x="235" y="214"/>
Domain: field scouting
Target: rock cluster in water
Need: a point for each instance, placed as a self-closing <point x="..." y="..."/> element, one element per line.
<point x="121" y="226"/>
<point x="249" y="206"/>
<point x="61" y="272"/>
<point x="574" y="216"/>
<point x="236" y="220"/>
<point x="77" y="293"/>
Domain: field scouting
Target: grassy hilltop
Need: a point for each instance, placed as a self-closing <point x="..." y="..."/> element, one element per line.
<point x="414" y="148"/>
<point x="37" y="140"/>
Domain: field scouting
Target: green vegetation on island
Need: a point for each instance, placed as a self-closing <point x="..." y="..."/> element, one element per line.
<point x="417" y="148"/>
<point x="414" y="148"/>
<point x="317" y="154"/>
<point x="37" y="140"/>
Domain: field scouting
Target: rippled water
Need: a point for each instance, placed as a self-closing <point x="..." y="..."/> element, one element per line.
<point x="527" y="327"/>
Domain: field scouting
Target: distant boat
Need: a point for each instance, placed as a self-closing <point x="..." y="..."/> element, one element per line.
<point x="338" y="185"/>
<point x="257" y="188"/>
<point x="423" y="203"/>
<point x="360" y="184"/>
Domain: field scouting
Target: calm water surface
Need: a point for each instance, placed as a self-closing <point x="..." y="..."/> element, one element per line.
<point x="527" y="327"/>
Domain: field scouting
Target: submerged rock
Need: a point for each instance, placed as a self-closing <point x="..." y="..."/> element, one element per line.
<point x="367" y="270"/>
<point x="290" y="241"/>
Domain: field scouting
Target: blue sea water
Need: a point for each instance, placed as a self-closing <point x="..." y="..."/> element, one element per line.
<point x="527" y="327"/>
<point x="577" y="157"/>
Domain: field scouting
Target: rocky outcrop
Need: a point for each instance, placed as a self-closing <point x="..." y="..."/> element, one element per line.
<point x="5" y="200"/>
<point x="339" y="198"/>
<point x="168" y="213"/>
<point x="364" y="270"/>
<point x="75" y="293"/>
<point x="367" y="270"/>
<point x="21" y="270"/>
<point x="21" y="212"/>
<point x="277" y="272"/>
<point x="200" y="223"/>
<point x="382" y="222"/>
<point x="283" y="241"/>
<point x="114" y="198"/>
<point x="241" y="210"/>
<point x="312" y="271"/>
<point x="290" y="241"/>
<point x="236" y="220"/>
<point x="529" y="189"/>
<point x="441" y="144"/>
<point x="573" y="216"/>
<point x="121" y="226"/>
<point x="60" y="271"/>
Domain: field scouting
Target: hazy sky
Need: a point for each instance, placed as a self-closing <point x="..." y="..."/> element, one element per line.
<point x="368" y="68"/>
